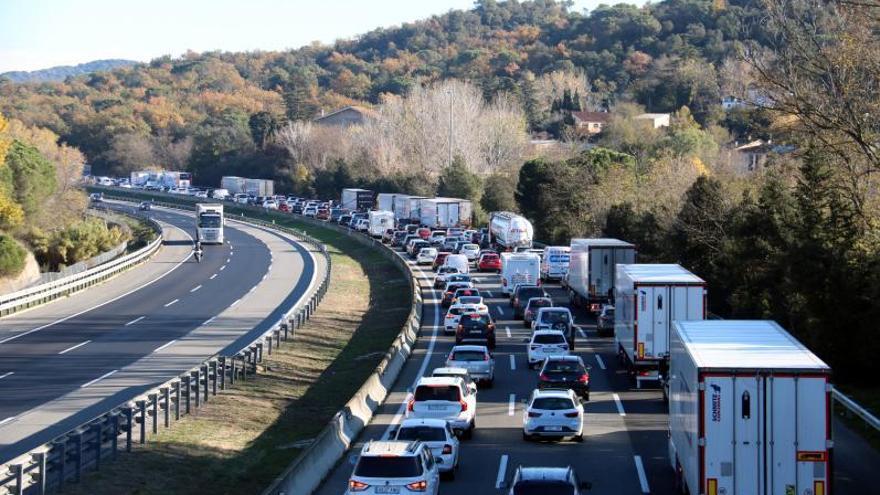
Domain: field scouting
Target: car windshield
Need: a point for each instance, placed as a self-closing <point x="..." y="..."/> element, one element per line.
<point x="388" y="467"/>
<point x="423" y="433"/>
<point x="468" y="356"/>
<point x="437" y="392"/>
<point x="563" y="367"/>
<point x="555" y="317"/>
<point x="543" y="487"/>
<point x="552" y="403"/>
<point x="428" y="252"/>
<point x="471" y="247"/>
<point x="539" y="303"/>
<point x="527" y="293"/>
<point x="476" y="320"/>
<point x="209" y="221"/>
<point x="549" y="338"/>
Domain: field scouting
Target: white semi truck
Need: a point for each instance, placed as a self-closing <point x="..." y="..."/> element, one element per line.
<point x="509" y="230"/>
<point x="748" y="411"/>
<point x="648" y="298"/>
<point x="209" y="223"/>
<point x="379" y="222"/>
<point x="590" y="278"/>
<point x="357" y="199"/>
<point x="443" y="213"/>
<point x="519" y="268"/>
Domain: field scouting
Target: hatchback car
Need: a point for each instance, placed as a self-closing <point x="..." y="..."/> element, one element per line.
<point x="442" y="274"/>
<point x="553" y="414"/>
<point x="476" y="328"/>
<point x="605" y="321"/>
<point x="394" y="467"/>
<point x="545" y="343"/>
<point x="532" y="307"/>
<point x="456" y="373"/>
<point x="438" y="436"/>
<point x="522" y="294"/>
<point x="454" y="313"/>
<point x="555" y="318"/>
<point x="545" y="481"/>
<point x="270" y="204"/>
<point x="426" y="256"/>
<point x="476" y="359"/>
<point x="472" y="251"/>
<point x="449" y="292"/>
<point x="445" y="398"/>
<point x="566" y="372"/>
<point x="489" y="262"/>
<point x="440" y="260"/>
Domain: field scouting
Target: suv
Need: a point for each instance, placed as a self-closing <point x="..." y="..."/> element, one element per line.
<point x="453" y="315"/>
<point x="545" y="343"/>
<point x="532" y="307"/>
<point x="553" y="414"/>
<point x="521" y="295"/>
<point x="394" y="467"/>
<point x="605" y="321"/>
<point x="565" y="372"/>
<point x="476" y="327"/>
<point x="445" y="398"/>
<point x="438" y="436"/>
<point x="449" y="292"/>
<point x="545" y="481"/>
<point x="476" y="359"/>
<point x="556" y="318"/>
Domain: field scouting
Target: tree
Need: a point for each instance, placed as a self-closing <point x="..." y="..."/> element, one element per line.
<point x="456" y="181"/>
<point x="263" y="126"/>
<point x="28" y="177"/>
<point x="498" y="193"/>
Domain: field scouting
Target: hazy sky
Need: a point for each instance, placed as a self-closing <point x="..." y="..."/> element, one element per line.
<point x="37" y="34"/>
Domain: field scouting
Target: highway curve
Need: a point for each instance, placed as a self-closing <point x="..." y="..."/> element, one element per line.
<point x="68" y="361"/>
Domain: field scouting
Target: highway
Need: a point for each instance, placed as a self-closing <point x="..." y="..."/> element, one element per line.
<point x="625" y="444"/>
<point x="68" y="361"/>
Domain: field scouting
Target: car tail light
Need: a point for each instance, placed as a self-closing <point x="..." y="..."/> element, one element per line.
<point x="357" y="486"/>
<point x="543" y="377"/>
<point x="571" y="414"/>
<point x="447" y="449"/>
<point x="460" y="329"/>
<point x="533" y="414"/>
<point x="491" y="327"/>
<point x="644" y="373"/>
<point x="584" y="378"/>
<point x="463" y="405"/>
<point x="418" y="486"/>
<point x="410" y="405"/>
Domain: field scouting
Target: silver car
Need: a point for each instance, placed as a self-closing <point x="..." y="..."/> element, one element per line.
<point x="438" y="436"/>
<point x="476" y="359"/>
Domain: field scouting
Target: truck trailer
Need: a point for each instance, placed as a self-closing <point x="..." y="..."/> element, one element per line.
<point x="357" y="199"/>
<point x="749" y="410"/>
<point x="379" y="222"/>
<point x="444" y="213"/>
<point x="387" y="201"/>
<point x="649" y="297"/>
<point x="590" y="278"/>
<point x="414" y="208"/>
<point x="509" y="230"/>
<point x="243" y="185"/>
<point x="519" y="268"/>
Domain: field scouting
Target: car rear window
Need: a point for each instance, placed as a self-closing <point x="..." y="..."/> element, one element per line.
<point x="554" y="317"/>
<point x="388" y="467"/>
<point x="476" y="319"/>
<point x="563" y="367"/>
<point x="549" y="339"/>
<point x="443" y="392"/>
<point x="530" y="292"/>
<point x="543" y="487"/>
<point x="553" y="403"/>
<point x="468" y="356"/>
<point x="423" y="433"/>
<point x="490" y="257"/>
<point x="470" y="300"/>
<point x="468" y="292"/>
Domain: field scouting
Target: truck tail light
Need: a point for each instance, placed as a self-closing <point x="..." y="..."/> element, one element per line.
<point x="584" y="378"/>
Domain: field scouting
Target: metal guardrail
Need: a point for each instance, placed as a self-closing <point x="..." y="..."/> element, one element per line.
<point x="855" y="408"/>
<point x="98" y="440"/>
<point x="40" y="294"/>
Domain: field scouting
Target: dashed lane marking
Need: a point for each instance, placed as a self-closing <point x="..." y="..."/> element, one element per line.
<point x="132" y="322"/>
<point x="600" y="361"/>
<point x="65" y="351"/>
<point x="618" y="404"/>
<point x="96" y="380"/>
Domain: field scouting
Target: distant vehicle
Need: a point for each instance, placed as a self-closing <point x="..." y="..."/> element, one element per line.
<point x="556" y="318"/>
<point x="335" y="213"/>
<point x="445" y="398"/>
<point x="565" y="371"/>
<point x="545" y="480"/>
<point x="145" y="205"/>
<point x="532" y="307"/>
<point x="209" y="223"/>
<point x="426" y="256"/>
<point x="442" y="273"/>
<point x="476" y="359"/>
<point x="440" y="260"/>
<point x="397" y="238"/>
<point x="605" y="321"/>
<point x="387" y="236"/>
<point x="459" y="261"/>
<point x="553" y="414"/>
<point x="96" y="197"/>
<point x="241" y="198"/>
<point x="322" y="214"/>
<point x="545" y="343"/>
<point x="489" y="262"/>
<point x="521" y="296"/>
<point x="519" y="268"/>
<point x="270" y="204"/>
<point x="379" y="222"/>
<point x="357" y="199"/>
<point x="362" y="225"/>
<point x="393" y="467"/>
<point x="590" y="278"/>
<point x="220" y="194"/>
<point x="471" y="251"/>
<point x="509" y="230"/>
<point x="416" y="246"/>
<point x="476" y="328"/>
<point x="456" y="311"/>
<point x="438" y="436"/>
<point x="554" y="262"/>
<point x="449" y="292"/>
<point x="311" y="211"/>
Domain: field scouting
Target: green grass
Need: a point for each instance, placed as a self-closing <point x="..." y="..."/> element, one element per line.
<point x="241" y="440"/>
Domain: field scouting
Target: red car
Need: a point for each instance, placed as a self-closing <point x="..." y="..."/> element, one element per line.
<point x="489" y="262"/>
<point x="424" y="233"/>
<point x="284" y="207"/>
<point x="440" y="259"/>
<point x="323" y="214"/>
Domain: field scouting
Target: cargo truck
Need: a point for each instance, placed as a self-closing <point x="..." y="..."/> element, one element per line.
<point x="252" y="187"/>
<point x="519" y="268"/>
<point x="648" y="298"/>
<point x="509" y="231"/>
<point x="379" y="222"/>
<point x="414" y="208"/>
<point x="209" y="223"/>
<point x="401" y="207"/>
<point x="386" y="201"/>
<point x="749" y="411"/>
<point x="590" y="276"/>
<point x="443" y="213"/>
<point x="357" y="199"/>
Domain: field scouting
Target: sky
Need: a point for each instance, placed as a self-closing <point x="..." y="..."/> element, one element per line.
<point x="38" y="34"/>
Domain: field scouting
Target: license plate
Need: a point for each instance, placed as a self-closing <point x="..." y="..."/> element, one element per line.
<point x="436" y="408"/>
<point x="554" y="428"/>
<point x="387" y="489"/>
<point x="476" y="332"/>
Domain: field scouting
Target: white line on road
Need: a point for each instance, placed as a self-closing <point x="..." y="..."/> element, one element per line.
<point x="502" y="471"/>
<point x="236" y="302"/>
<point x="172" y="302"/>
<point x="105" y="375"/>
<point x="65" y="351"/>
<point x="512" y="362"/>
<point x="500" y="310"/>
<point x="507" y="329"/>
<point x="600" y="361"/>
<point x="208" y="321"/>
<point x="619" y="405"/>
<point x="222" y="268"/>
<point x="252" y="289"/>
<point x="581" y="332"/>
<point x="165" y="345"/>
<point x="228" y="260"/>
<point x="213" y="277"/>
<point x="7" y="420"/>
<point x="132" y="322"/>
<point x="489" y="293"/>
<point x="511" y="404"/>
<point x="643" y="480"/>
<point x="4" y="375"/>
<point x="195" y="288"/>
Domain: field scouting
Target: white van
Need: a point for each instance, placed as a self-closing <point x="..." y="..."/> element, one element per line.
<point x="458" y="261"/>
<point x="519" y="268"/>
<point x="554" y="263"/>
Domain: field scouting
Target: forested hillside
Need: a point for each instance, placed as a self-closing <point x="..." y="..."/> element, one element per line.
<point x="62" y="72"/>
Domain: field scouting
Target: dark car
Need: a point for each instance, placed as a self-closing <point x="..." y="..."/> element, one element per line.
<point x="545" y="481"/>
<point x="405" y="242"/>
<point x="397" y="239"/>
<point x="416" y="247"/>
<point x="565" y="372"/>
<point x="476" y="328"/>
<point x="335" y="213"/>
<point x="521" y="296"/>
<point x="605" y="321"/>
<point x="440" y="259"/>
<point x="297" y="208"/>
<point x="468" y="291"/>
<point x="451" y="287"/>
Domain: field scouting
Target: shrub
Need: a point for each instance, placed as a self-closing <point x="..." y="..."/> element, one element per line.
<point x="12" y="256"/>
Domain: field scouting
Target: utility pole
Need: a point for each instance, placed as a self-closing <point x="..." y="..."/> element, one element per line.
<point x="451" y="101"/>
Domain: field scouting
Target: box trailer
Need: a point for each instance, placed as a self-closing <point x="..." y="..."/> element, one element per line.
<point x="519" y="268"/>
<point x="443" y="213"/>
<point x="509" y="230"/>
<point x="259" y="187"/>
<point x="411" y="209"/>
<point x="386" y="201"/>
<point x="235" y="185"/>
<point x="749" y="410"/>
<point x="590" y="277"/>
<point x="648" y="298"/>
<point x="379" y="222"/>
<point x="357" y="199"/>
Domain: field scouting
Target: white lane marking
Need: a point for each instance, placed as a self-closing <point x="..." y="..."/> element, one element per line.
<point x="600" y="361"/>
<point x="7" y="420"/>
<point x="195" y="288"/>
<point x="643" y="480"/>
<point x="264" y="276"/>
<point x="228" y="260"/>
<point x="222" y="268"/>
<point x="618" y="404"/>
<point x="132" y="322"/>
<point x="213" y="277"/>
<point x="4" y="375"/>
<point x="489" y="293"/>
<point x="236" y="302"/>
<point x="511" y="405"/>
<point x="500" y="310"/>
<point x="512" y="362"/>
<point x="105" y="375"/>
<point x="502" y="471"/>
<point x="252" y="289"/>
<point x="581" y="332"/>
<point x="62" y="320"/>
<point x="172" y="302"/>
<point x="208" y="321"/>
<point x="507" y="329"/>
<point x="164" y="345"/>
<point x="65" y="351"/>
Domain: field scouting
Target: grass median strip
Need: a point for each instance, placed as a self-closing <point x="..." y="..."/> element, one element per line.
<point x="243" y="438"/>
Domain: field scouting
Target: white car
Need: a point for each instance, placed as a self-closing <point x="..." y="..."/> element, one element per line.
<point x="456" y="373"/>
<point x="553" y="413"/>
<point x="270" y="204"/>
<point x="363" y="225"/>
<point x="438" y="436"/>
<point x="546" y="343"/>
<point x="310" y="211"/>
<point x="476" y="359"/>
<point x="394" y="467"/>
<point x="442" y="274"/>
<point x="445" y="398"/>
<point x="426" y="256"/>
<point x="241" y="199"/>
<point x="454" y="313"/>
<point x="472" y="251"/>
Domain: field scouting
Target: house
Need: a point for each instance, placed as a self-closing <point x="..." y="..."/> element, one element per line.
<point x="728" y="103"/>
<point x="657" y="120"/>
<point x="752" y="156"/>
<point x="590" y="122"/>
<point x="347" y="116"/>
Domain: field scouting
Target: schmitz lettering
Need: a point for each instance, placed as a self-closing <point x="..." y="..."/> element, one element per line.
<point x="716" y="403"/>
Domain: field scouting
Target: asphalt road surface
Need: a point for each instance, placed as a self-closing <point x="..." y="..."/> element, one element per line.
<point x="625" y="444"/>
<point x="68" y="361"/>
